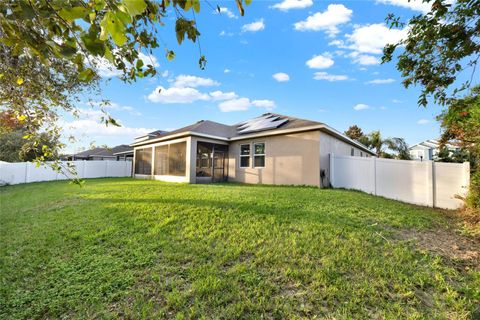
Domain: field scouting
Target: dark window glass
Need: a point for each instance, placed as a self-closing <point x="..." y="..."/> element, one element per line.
<point x="352" y="152"/>
<point x="161" y="160"/>
<point x="259" y="155"/>
<point x="245" y="161"/>
<point x="259" y="161"/>
<point x="143" y="161"/>
<point x="245" y="150"/>
<point x="245" y="155"/>
<point x="177" y="159"/>
<point x="259" y="148"/>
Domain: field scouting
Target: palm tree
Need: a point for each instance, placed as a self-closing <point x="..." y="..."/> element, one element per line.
<point x="375" y="141"/>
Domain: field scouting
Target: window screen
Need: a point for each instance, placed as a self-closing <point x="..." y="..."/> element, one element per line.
<point x="177" y="159"/>
<point x="161" y="160"/>
<point x="170" y="159"/>
<point x="143" y="161"/>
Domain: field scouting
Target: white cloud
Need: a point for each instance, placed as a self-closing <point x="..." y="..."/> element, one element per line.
<point x="281" y="77"/>
<point x="243" y="104"/>
<point x="361" y="106"/>
<point x="423" y="121"/>
<point x="183" y="81"/>
<point x="366" y="60"/>
<point x="416" y="5"/>
<point x="176" y="95"/>
<point x="380" y="81"/>
<point x="397" y="101"/>
<point x="254" y="26"/>
<point x="105" y="69"/>
<point x="320" y="62"/>
<point x="227" y="12"/>
<point x="227" y="71"/>
<point x="106" y="106"/>
<point x="149" y="59"/>
<point x="224" y="33"/>
<point x="328" y="21"/>
<point x="329" y="77"/>
<point x="372" y="38"/>
<point x="267" y="104"/>
<point x="220" y="95"/>
<point x="286" y="5"/>
<point x="89" y="127"/>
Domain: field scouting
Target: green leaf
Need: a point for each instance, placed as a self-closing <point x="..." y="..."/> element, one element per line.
<point x="247" y="2"/>
<point x="196" y="5"/>
<point x="93" y="44"/>
<point x="135" y="7"/>
<point x="73" y="13"/>
<point x="111" y="24"/>
<point x="67" y="51"/>
<point x="139" y="64"/>
<point x="170" y="55"/>
<point x="108" y="54"/>
<point x="86" y="75"/>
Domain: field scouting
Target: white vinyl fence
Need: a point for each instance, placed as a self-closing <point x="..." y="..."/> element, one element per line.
<point x="26" y="172"/>
<point x="433" y="184"/>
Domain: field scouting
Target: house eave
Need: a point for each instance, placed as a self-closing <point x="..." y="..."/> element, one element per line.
<point x="321" y="127"/>
<point x="178" y="135"/>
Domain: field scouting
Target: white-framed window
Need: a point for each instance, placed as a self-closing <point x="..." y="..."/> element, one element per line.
<point x="259" y="154"/>
<point x="244" y="155"/>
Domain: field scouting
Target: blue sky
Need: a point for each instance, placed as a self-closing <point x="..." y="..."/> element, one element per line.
<point x="311" y="59"/>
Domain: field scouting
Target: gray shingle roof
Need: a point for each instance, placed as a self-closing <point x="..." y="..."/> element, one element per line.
<point x="230" y="131"/>
<point x="227" y="132"/>
<point x="103" y="152"/>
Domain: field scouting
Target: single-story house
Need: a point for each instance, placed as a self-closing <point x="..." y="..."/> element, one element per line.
<point x="121" y="152"/>
<point x="428" y="150"/>
<point x="269" y="149"/>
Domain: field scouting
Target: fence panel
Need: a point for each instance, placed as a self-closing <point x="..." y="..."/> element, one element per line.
<point x="408" y="181"/>
<point x="427" y="183"/>
<point x="448" y="177"/>
<point x="354" y="175"/>
<point x="26" y="172"/>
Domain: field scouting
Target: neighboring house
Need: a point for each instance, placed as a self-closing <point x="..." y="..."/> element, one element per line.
<point x="428" y="150"/>
<point x="270" y="149"/>
<point x="122" y="152"/>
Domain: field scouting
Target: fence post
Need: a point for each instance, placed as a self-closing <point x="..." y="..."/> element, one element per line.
<point x="332" y="176"/>
<point x="434" y="185"/>
<point x="466" y="176"/>
<point x="429" y="184"/>
<point x="26" y="172"/>
<point x="374" y="161"/>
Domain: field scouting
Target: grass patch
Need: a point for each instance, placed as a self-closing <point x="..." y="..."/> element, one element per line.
<point x="145" y="249"/>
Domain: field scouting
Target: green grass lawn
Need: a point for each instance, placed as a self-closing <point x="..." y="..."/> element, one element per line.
<point x="123" y="248"/>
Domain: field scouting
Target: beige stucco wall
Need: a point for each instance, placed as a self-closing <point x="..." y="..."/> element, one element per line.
<point x="330" y="144"/>
<point x="290" y="159"/>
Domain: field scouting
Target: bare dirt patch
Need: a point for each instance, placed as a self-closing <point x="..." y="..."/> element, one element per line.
<point x="462" y="251"/>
